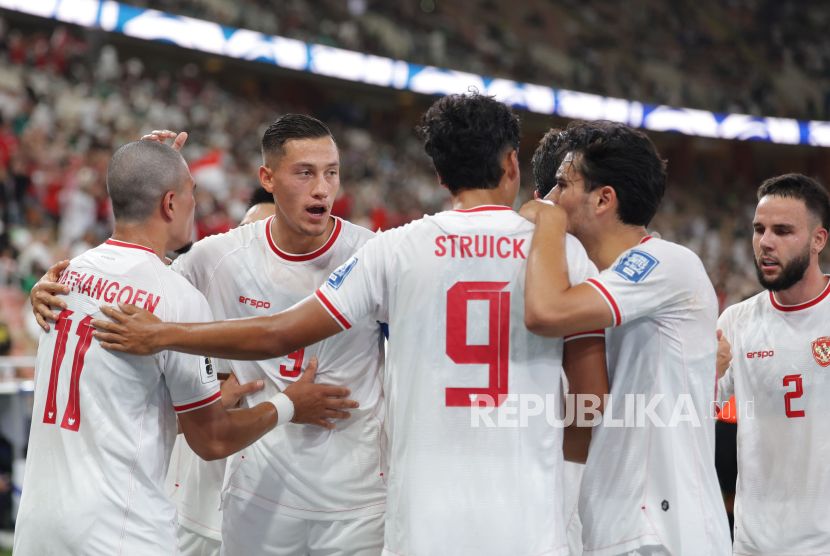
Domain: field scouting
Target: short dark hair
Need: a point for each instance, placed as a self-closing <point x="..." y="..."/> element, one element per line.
<point x="465" y="136"/>
<point x="610" y="154"/>
<point x="138" y="176"/>
<point x="291" y="126"/>
<point x="803" y="188"/>
<point x="545" y="162"/>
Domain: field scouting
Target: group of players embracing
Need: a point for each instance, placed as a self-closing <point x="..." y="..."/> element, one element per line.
<point x="367" y="361"/>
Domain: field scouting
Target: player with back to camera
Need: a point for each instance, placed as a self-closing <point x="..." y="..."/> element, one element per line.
<point x="450" y="287"/>
<point x="649" y="487"/>
<point x="104" y="423"/>
<point x="780" y="341"/>
<point x="299" y="490"/>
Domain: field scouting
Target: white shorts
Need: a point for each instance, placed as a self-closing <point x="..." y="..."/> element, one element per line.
<point x="194" y="544"/>
<point x="247" y="529"/>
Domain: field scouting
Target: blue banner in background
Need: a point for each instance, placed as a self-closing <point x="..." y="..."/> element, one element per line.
<point x="242" y="44"/>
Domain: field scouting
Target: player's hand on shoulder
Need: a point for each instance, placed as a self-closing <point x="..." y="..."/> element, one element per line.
<point x="44" y="296"/>
<point x="724" y="358"/>
<point x="317" y="404"/>
<point x="129" y="329"/>
<point x="233" y="392"/>
<point x="162" y="135"/>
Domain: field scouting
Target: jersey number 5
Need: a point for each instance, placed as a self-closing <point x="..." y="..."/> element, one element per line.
<point x="72" y="415"/>
<point x="793" y="395"/>
<point x="495" y="353"/>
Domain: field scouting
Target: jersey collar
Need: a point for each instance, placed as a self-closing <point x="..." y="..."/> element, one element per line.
<point x="483" y="208"/>
<point x="301" y="257"/>
<point x="128" y="245"/>
<point x="806" y="305"/>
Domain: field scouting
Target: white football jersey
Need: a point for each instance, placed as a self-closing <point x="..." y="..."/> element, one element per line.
<point x="301" y="470"/>
<point x="650" y="476"/>
<point x="451" y="287"/>
<point x="103" y="423"/>
<point x="781" y="376"/>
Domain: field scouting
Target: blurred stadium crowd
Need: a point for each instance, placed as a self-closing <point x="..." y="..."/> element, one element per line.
<point x="68" y="98"/>
<point x="781" y="46"/>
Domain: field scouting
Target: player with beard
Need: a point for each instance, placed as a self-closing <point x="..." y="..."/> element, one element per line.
<point x="781" y="364"/>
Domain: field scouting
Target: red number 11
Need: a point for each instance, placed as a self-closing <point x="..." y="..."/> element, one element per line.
<point x="72" y="415"/>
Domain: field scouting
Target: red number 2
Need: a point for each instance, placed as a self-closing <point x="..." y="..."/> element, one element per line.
<point x="494" y="353"/>
<point x="72" y="415"/>
<point x="294" y="371"/>
<point x="793" y="395"/>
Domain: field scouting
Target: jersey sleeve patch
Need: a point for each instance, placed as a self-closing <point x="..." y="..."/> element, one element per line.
<point x="636" y="265"/>
<point x="340" y="273"/>
<point x="206" y="371"/>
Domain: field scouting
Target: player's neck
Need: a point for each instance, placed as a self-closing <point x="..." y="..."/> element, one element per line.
<point x="291" y="241"/>
<point x="807" y="288"/>
<point x="604" y="249"/>
<point x="141" y="234"/>
<point x="471" y="198"/>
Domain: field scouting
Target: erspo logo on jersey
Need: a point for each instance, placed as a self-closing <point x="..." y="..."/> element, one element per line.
<point x="337" y="277"/>
<point x="821" y="350"/>
<point x="762" y="354"/>
<point x="636" y="265"/>
<point x="255" y="303"/>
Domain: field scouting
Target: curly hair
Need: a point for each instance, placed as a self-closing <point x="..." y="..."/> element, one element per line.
<point x="611" y="154"/>
<point x="466" y="136"/>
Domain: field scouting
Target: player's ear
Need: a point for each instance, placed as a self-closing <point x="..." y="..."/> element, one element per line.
<point x="510" y="165"/>
<point x="266" y="178"/>
<point x="167" y="205"/>
<point x="819" y="239"/>
<point x="604" y="199"/>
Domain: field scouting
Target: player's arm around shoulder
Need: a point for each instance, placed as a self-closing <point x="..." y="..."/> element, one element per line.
<point x="552" y="306"/>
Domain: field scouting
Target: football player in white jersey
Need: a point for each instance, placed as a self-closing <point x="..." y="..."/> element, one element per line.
<point x="104" y="423"/>
<point x="780" y="368"/>
<point x="192" y="483"/>
<point x="300" y="490"/>
<point x="649" y="485"/>
<point x="471" y="471"/>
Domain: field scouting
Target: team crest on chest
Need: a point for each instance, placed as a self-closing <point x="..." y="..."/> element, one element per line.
<point x="821" y="351"/>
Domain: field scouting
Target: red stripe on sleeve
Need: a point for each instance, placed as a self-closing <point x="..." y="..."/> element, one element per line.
<point x="201" y="403"/>
<point x="610" y="298"/>
<point x="333" y="310"/>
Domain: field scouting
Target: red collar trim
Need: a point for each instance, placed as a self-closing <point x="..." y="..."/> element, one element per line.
<point x="482" y="208"/>
<point x="806" y="305"/>
<point x="118" y="243"/>
<point x="296" y="258"/>
<point x="645" y="239"/>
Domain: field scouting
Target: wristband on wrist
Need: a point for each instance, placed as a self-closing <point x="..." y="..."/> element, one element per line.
<point x="285" y="408"/>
